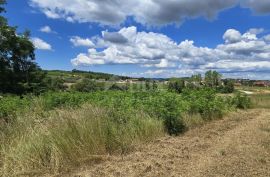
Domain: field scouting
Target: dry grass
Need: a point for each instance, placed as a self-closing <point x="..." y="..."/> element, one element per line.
<point x="69" y="138"/>
<point x="261" y="101"/>
<point x="193" y="120"/>
<point x="227" y="147"/>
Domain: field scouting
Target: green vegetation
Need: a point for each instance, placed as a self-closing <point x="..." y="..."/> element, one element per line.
<point x="18" y="72"/>
<point x="53" y="120"/>
<point x="67" y="138"/>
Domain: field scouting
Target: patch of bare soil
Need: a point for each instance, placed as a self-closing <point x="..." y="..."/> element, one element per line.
<point x="238" y="145"/>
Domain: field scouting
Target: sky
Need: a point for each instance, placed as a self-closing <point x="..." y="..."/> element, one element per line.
<point x="149" y="38"/>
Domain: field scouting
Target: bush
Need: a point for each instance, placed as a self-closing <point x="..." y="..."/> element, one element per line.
<point x="172" y="116"/>
<point x="116" y="87"/>
<point x="241" y="101"/>
<point x="88" y="85"/>
<point x="176" y="85"/>
<point x="12" y="105"/>
<point x="206" y="103"/>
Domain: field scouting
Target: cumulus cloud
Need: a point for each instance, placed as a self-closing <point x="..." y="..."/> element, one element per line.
<point x="148" y="12"/>
<point x="46" y="29"/>
<point x="239" y="52"/>
<point x="115" y="12"/>
<point x="140" y="48"/>
<point x="232" y="36"/>
<point x="114" y="37"/>
<point x="40" y="44"/>
<point x="258" y="6"/>
<point x="78" y="41"/>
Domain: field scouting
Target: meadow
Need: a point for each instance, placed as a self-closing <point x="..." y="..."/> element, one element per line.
<point x="57" y="131"/>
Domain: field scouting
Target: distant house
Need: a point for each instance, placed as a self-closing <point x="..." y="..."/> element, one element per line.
<point x="261" y="84"/>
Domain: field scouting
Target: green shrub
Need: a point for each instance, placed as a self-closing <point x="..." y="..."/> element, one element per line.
<point x="241" y="101"/>
<point x="88" y="85"/>
<point x="206" y="103"/>
<point x="11" y="105"/>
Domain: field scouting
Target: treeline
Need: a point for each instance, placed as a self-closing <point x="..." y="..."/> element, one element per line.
<point x="18" y="71"/>
<point x="19" y="74"/>
<point x="84" y="74"/>
<point x="212" y="79"/>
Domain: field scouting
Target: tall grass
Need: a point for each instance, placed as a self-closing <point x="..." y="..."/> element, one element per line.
<point x="68" y="138"/>
<point x="260" y="101"/>
<point x="56" y="131"/>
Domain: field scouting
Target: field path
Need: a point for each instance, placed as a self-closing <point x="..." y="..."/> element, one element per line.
<point x="238" y="145"/>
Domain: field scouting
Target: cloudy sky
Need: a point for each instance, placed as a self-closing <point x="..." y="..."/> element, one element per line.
<point x="150" y="38"/>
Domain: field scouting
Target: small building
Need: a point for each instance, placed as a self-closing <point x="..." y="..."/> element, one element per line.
<point x="260" y="84"/>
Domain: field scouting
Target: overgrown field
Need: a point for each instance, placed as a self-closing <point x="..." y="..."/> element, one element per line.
<point x="61" y="130"/>
<point x="261" y="101"/>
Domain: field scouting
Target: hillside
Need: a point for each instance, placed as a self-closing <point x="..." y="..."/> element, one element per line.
<point x="74" y="75"/>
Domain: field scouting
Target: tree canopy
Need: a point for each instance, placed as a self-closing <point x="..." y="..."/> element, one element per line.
<point x="18" y="71"/>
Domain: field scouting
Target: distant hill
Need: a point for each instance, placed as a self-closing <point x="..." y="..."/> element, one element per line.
<point x="75" y="75"/>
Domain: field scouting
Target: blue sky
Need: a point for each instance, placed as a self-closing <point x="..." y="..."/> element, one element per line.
<point x="150" y="38"/>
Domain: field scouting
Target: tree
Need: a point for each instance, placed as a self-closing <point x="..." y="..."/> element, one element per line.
<point x="147" y="85"/>
<point x="55" y="84"/>
<point x="154" y="85"/>
<point x="196" y="78"/>
<point x="87" y="85"/>
<point x="18" y="72"/>
<point x="228" y="86"/>
<point x="176" y="85"/>
<point x="212" y="79"/>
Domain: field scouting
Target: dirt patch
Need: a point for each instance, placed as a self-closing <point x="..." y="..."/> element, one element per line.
<point x="238" y="145"/>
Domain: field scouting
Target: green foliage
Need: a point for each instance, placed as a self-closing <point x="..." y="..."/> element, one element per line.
<point x="94" y="75"/>
<point x="212" y="79"/>
<point x="44" y="138"/>
<point x="228" y="87"/>
<point x="241" y="101"/>
<point x="206" y="103"/>
<point x="176" y="85"/>
<point x="147" y="85"/>
<point x="154" y="85"/>
<point x="196" y="78"/>
<point x="117" y="87"/>
<point x="88" y="85"/>
<point x="18" y="72"/>
<point x="171" y="113"/>
<point x="55" y="84"/>
<point x="12" y="105"/>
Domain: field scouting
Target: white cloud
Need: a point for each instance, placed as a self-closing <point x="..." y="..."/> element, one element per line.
<point x="78" y="41"/>
<point x="230" y="65"/>
<point x="46" y="29"/>
<point x="258" y="6"/>
<point x="239" y="52"/>
<point x="147" y="12"/>
<point x="40" y="44"/>
<point x="232" y="36"/>
<point x="115" y="12"/>
<point x="267" y="38"/>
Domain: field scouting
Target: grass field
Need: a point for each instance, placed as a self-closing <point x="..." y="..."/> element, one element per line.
<point x="261" y="101"/>
<point x="60" y="130"/>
